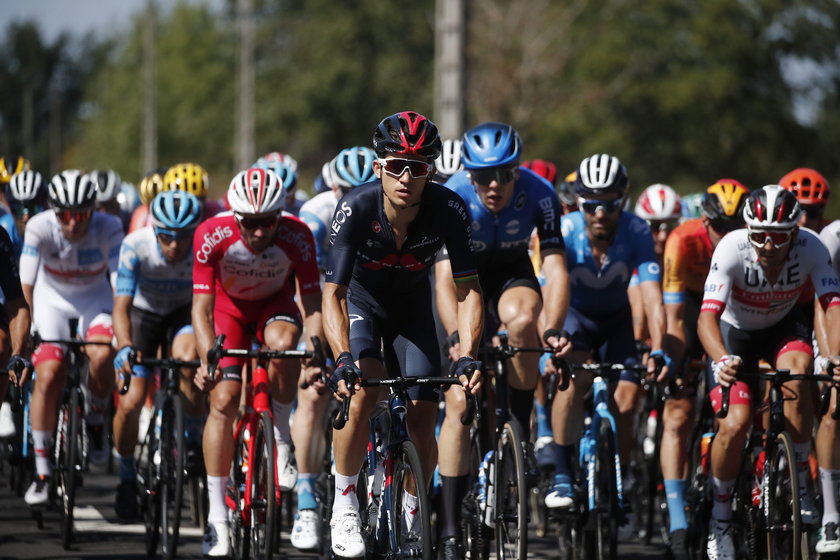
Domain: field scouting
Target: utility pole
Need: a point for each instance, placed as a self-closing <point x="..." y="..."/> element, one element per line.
<point x="449" y="67"/>
<point x="244" y="148"/>
<point x="149" y="160"/>
<point x="55" y="124"/>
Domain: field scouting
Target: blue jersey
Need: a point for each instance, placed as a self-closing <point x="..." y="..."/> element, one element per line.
<point x="8" y="223"/>
<point x="602" y="290"/>
<point x="500" y="239"/>
<point x="317" y="213"/>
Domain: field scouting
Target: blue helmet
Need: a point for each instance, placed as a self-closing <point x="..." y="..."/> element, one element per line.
<point x="353" y="167"/>
<point x="490" y="144"/>
<point x="285" y="171"/>
<point x="176" y="210"/>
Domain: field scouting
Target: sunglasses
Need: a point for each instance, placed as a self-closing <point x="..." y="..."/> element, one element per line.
<point x="608" y="206"/>
<point x="395" y="167"/>
<point x="169" y="236"/>
<point x="777" y="238"/>
<point x="502" y="175"/>
<point x="661" y="225"/>
<point x="257" y="222"/>
<point x="64" y="216"/>
<point x="21" y="210"/>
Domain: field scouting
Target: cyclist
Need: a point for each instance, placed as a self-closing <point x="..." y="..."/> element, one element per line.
<point x="68" y="265"/>
<point x="544" y="169"/>
<point x="812" y="191"/>
<point x="660" y="206"/>
<point x="26" y="196"/>
<point x="692" y="205"/>
<point x="749" y="312"/>
<point x="285" y="167"/>
<point x="448" y="163"/>
<point x="151" y="309"/>
<point x="150" y="186"/>
<point x="108" y="184"/>
<point x="603" y="246"/>
<point x="688" y="255"/>
<point x="192" y="178"/>
<point x="245" y="265"/>
<point x="384" y="238"/>
<point x="9" y="167"/>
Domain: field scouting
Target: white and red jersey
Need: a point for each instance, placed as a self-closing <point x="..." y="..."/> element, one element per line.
<point x="738" y="288"/>
<point x="225" y="266"/>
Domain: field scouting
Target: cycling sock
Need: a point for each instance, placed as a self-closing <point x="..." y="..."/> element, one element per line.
<point x="216" y="488"/>
<point x="453" y="489"/>
<point x="721" y="497"/>
<point x="42" y="443"/>
<point x="803" y="466"/>
<point x="828" y="482"/>
<point x="410" y="508"/>
<point x="306" y="491"/>
<point x="521" y="403"/>
<point x="281" y="413"/>
<point x="563" y="459"/>
<point x="95" y="414"/>
<point x="543" y="421"/>
<point x="675" y="495"/>
<point x="345" y="492"/>
<point x="128" y="470"/>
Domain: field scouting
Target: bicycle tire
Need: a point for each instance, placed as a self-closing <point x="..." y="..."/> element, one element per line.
<point x="173" y="451"/>
<point x="197" y="490"/>
<point x="263" y="514"/>
<point x="476" y="535"/>
<point x="698" y="501"/>
<point x="408" y="470"/>
<point x="240" y="539"/>
<point x="148" y="484"/>
<point x="606" y="495"/>
<point x="783" y="524"/>
<point x="510" y="496"/>
<point x="70" y="462"/>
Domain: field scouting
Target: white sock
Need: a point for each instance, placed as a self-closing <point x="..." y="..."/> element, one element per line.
<point x="410" y="510"/>
<point x="345" y="492"/>
<point x="803" y="466"/>
<point x="281" y="413"/>
<point x="42" y="443"/>
<point x="216" y="488"/>
<point x="722" y="499"/>
<point x="828" y="482"/>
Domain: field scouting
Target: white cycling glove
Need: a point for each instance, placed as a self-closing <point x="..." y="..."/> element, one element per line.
<point x="721" y="363"/>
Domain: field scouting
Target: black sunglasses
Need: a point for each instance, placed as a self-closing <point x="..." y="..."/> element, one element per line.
<point x="257" y="222"/>
<point x="501" y="175"/>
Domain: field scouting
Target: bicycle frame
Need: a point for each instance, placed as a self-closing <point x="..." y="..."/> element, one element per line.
<point x="589" y="443"/>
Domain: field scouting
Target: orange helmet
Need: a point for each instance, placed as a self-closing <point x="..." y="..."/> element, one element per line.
<point x="809" y="186"/>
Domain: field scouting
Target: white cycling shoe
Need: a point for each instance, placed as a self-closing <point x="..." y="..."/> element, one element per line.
<point x="306" y="530"/>
<point x="287" y="471"/>
<point x="216" y="543"/>
<point x="346" y="534"/>
<point x="720" y="546"/>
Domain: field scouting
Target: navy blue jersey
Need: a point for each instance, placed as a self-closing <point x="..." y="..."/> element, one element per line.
<point x="502" y="238"/>
<point x="9" y="276"/>
<point x="364" y="254"/>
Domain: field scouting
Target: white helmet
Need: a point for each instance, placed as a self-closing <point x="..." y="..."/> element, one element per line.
<point x="107" y="184"/>
<point x="601" y="173"/>
<point x="26" y="186"/>
<point x="256" y="191"/>
<point x="71" y="189"/>
<point x="659" y="202"/>
<point x="449" y="161"/>
<point x="772" y="207"/>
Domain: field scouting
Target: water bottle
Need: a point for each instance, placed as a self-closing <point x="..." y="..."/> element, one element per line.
<point x="489" y="513"/>
<point x="649" y="443"/>
<point x="705" y="455"/>
<point x="483" y="483"/>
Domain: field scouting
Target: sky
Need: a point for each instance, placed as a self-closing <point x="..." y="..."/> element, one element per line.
<point x="80" y="16"/>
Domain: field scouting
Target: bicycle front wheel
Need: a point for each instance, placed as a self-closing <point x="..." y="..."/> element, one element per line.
<point x="510" y="495"/>
<point x="172" y="452"/>
<point x="263" y="489"/>
<point x="781" y="501"/>
<point x="606" y="511"/>
<point x="413" y="531"/>
<point x="69" y="461"/>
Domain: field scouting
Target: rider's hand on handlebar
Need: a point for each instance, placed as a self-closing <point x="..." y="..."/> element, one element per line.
<point x="830" y="365"/>
<point x="311" y="375"/>
<point x="725" y="369"/>
<point x="468" y="372"/>
<point x="19" y="369"/>
<point x="344" y="380"/>
<point x="559" y="341"/>
<point x="658" y="361"/>
<point x="125" y="358"/>
<point x="202" y="378"/>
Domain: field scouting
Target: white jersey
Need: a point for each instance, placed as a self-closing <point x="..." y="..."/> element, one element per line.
<point x="737" y="287"/>
<point x="156" y="285"/>
<point x="317" y="213"/>
<point x="830" y="236"/>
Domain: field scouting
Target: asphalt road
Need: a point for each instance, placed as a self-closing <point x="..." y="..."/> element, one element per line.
<point x="98" y="534"/>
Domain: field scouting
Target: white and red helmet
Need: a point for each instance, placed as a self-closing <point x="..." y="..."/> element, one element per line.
<point x="256" y="191"/>
<point x="660" y="203"/>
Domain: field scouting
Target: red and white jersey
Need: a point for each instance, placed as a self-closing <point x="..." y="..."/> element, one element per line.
<point x="225" y="266"/>
<point x="737" y="287"/>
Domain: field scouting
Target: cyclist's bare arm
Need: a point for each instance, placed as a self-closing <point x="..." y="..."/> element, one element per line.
<point x="28" y="289"/>
<point x="336" y="322"/>
<point x="556" y="292"/>
<point x="470" y="322"/>
<point x="121" y="316"/>
<point x="634" y="294"/>
<point x="675" y="331"/>
<point x="446" y="301"/>
<point x="655" y="315"/>
<point x="202" y="320"/>
<point x="313" y="326"/>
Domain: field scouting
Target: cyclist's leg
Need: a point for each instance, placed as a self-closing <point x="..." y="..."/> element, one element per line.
<point x="100" y="380"/>
<point x="828" y="455"/>
<point x="183" y="347"/>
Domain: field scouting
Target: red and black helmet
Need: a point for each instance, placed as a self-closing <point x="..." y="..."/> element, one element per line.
<point x="407" y="133"/>
<point x="543" y="168"/>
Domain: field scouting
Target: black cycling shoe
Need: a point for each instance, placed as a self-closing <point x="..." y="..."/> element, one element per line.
<point x="677" y="549"/>
<point x="451" y="549"/>
<point x="126" y="502"/>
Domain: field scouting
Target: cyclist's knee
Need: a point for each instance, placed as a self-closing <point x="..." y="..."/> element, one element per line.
<point x="626" y="397"/>
<point x="737" y="422"/>
<point x="50" y="376"/>
<point x="523" y="324"/>
<point x="224" y="399"/>
<point x="677" y="416"/>
<point x="132" y="401"/>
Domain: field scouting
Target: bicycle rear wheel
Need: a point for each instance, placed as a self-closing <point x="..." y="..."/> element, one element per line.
<point x="239" y="523"/>
<point x="510" y="501"/>
<point x="149" y="486"/>
<point x="604" y="531"/>
<point x="69" y="461"/>
<point x="476" y="534"/>
<point x="416" y="540"/>
<point x="263" y="490"/>
<point x="781" y="495"/>
<point x="172" y="474"/>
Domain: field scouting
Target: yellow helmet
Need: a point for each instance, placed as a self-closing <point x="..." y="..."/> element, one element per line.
<point x="151" y="185"/>
<point x="10" y="166"/>
<point x="187" y="177"/>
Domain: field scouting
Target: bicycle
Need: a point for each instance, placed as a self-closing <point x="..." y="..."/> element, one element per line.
<point x="17" y="449"/>
<point x="253" y="494"/>
<point x="776" y="516"/>
<point x="590" y="530"/>
<point x="392" y="469"/>
<point x="161" y="458"/>
<point x="70" y="451"/>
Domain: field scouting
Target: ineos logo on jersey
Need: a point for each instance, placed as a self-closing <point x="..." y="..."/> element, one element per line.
<point x="210" y="241"/>
<point x="341" y="214"/>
